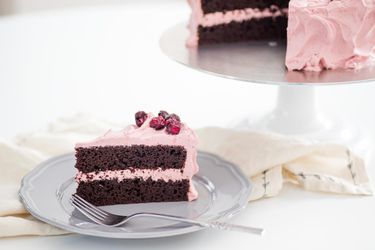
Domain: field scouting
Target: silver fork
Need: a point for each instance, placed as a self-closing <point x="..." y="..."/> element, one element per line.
<point x="105" y="218"/>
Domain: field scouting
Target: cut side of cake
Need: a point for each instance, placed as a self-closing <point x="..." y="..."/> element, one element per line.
<point x="325" y="34"/>
<point x="218" y="21"/>
<point x="153" y="161"/>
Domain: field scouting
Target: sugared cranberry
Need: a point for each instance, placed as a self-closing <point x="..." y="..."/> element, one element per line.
<point x="173" y="127"/>
<point x="173" y="117"/>
<point x="157" y="123"/>
<point x="140" y="118"/>
<point x="163" y="114"/>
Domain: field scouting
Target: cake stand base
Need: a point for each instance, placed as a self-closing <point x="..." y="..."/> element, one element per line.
<point x="296" y="114"/>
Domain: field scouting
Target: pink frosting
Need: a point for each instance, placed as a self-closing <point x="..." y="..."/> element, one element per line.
<point x="145" y="135"/>
<point x="324" y="34"/>
<point x="198" y="18"/>
<point x="120" y="175"/>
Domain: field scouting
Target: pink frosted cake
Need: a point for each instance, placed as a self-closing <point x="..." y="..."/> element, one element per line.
<point x="321" y="34"/>
<point x="152" y="161"/>
<point x="328" y="34"/>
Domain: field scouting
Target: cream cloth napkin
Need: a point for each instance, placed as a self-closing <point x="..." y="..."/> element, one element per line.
<point x="267" y="159"/>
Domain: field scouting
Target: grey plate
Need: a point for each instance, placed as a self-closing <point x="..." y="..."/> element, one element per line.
<point x="223" y="192"/>
<point x="259" y="62"/>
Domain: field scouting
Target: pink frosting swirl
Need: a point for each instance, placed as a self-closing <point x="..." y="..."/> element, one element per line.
<point x="325" y="34"/>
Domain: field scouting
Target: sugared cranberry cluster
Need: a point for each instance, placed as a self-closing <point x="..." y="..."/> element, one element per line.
<point x="171" y="122"/>
<point x="140" y="118"/>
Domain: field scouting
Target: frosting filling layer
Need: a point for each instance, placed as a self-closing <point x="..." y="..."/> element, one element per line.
<point x="120" y="175"/>
<point x="218" y="18"/>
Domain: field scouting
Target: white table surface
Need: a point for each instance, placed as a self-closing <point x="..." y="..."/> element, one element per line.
<point x="106" y="61"/>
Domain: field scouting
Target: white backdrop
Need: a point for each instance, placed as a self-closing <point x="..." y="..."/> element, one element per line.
<point x="105" y="60"/>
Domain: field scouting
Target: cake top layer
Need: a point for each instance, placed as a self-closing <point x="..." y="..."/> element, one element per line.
<point x="310" y="3"/>
<point x="325" y="3"/>
<point x="147" y="133"/>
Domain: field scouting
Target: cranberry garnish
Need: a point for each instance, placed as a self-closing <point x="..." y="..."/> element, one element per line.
<point x="140" y="118"/>
<point x="163" y="114"/>
<point x="173" y="117"/>
<point x="173" y="127"/>
<point x="157" y="123"/>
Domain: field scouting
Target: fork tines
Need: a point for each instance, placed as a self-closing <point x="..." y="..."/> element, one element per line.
<point x="92" y="212"/>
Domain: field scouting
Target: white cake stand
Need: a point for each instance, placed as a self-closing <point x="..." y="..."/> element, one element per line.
<point x="263" y="62"/>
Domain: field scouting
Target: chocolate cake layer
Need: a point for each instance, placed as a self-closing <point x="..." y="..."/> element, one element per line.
<point x="210" y="6"/>
<point x="255" y="29"/>
<point x="109" y="192"/>
<point x="94" y="159"/>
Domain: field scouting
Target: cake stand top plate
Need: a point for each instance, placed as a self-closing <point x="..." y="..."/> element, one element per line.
<point x="258" y="62"/>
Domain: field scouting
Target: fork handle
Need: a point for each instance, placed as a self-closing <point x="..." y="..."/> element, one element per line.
<point x="207" y="224"/>
<point x="234" y="227"/>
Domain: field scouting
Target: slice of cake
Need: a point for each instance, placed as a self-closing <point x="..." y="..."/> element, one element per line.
<point x="326" y="34"/>
<point x="218" y="21"/>
<point x="152" y="161"/>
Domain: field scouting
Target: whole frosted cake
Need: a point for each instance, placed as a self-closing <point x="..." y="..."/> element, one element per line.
<point x="152" y="161"/>
<point x="321" y="34"/>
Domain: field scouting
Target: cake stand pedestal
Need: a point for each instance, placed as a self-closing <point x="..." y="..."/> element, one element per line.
<point x="296" y="112"/>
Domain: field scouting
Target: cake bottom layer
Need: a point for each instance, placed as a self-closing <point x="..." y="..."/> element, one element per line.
<point x="111" y="192"/>
<point x="273" y="28"/>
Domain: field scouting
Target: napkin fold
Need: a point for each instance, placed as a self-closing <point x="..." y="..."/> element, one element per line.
<point x="267" y="159"/>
